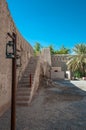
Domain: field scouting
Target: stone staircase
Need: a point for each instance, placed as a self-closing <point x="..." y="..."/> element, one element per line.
<point x="24" y="85"/>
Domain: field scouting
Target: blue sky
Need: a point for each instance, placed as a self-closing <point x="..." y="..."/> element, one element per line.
<point x="56" y="22"/>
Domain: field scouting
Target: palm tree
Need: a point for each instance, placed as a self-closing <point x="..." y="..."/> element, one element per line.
<point x="78" y="61"/>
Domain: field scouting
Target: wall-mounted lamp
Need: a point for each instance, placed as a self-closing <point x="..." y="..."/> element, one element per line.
<point x="18" y="61"/>
<point x="10" y="49"/>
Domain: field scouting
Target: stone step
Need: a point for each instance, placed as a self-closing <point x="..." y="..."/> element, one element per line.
<point x="33" y="59"/>
<point x="22" y="104"/>
<point x="24" y="98"/>
<point x="29" y="71"/>
<point x="28" y="74"/>
<point x="26" y="78"/>
<point x="32" y="62"/>
<point x="24" y="89"/>
<point x="32" y="67"/>
<point x="25" y="82"/>
<point x="22" y="95"/>
<point x="23" y="92"/>
<point x="24" y="85"/>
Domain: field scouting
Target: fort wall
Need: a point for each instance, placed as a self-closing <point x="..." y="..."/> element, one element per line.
<point x="25" y="51"/>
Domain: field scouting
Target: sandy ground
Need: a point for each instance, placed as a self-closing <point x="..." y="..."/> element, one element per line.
<point x="54" y="108"/>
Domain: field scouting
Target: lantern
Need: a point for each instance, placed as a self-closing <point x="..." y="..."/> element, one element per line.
<point x="18" y="61"/>
<point x="10" y="49"/>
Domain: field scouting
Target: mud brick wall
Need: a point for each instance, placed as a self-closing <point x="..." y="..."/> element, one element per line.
<point x="26" y="51"/>
<point x="60" y="60"/>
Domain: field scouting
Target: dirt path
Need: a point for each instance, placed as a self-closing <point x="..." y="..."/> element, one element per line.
<point x="54" y="108"/>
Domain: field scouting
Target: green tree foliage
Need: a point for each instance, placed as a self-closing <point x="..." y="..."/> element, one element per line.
<point x="63" y="50"/>
<point x="37" y="48"/>
<point x="78" y="74"/>
<point x="52" y="49"/>
<point x="78" y="61"/>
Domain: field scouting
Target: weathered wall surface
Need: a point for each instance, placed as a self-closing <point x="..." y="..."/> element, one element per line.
<point x="57" y="73"/>
<point x="46" y="61"/>
<point x="26" y="51"/>
<point x="60" y="60"/>
<point x="42" y="70"/>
